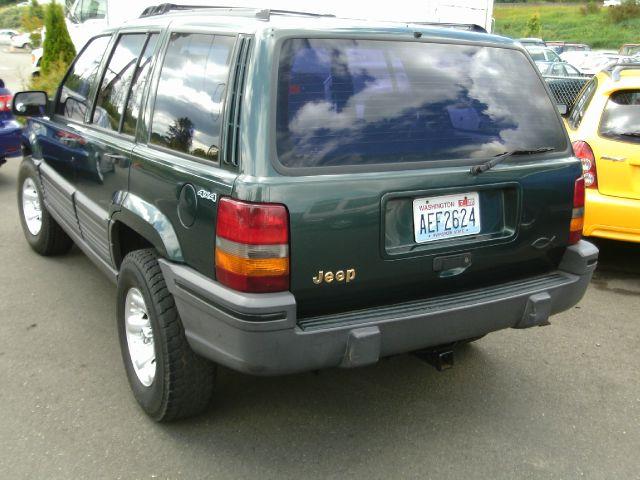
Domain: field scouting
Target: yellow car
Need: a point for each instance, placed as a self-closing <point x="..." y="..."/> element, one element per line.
<point x="604" y="127"/>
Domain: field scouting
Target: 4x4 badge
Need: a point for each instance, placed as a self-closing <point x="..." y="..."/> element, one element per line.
<point x="202" y="193"/>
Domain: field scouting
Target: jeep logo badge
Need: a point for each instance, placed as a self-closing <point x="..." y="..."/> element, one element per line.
<point x="345" y="276"/>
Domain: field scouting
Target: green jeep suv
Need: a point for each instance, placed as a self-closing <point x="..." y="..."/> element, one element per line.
<point x="279" y="192"/>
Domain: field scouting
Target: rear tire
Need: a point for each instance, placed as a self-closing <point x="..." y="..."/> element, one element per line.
<point x="181" y="384"/>
<point x="40" y="229"/>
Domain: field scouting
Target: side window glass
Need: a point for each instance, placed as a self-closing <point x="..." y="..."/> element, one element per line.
<point x="117" y="77"/>
<point x="577" y="112"/>
<point x="132" y="112"/>
<point x="190" y="96"/>
<point x="93" y="9"/>
<point x="81" y="77"/>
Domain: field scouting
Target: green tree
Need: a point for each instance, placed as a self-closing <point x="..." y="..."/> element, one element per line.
<point x="32" y="21"/>
<point x="58" y="47"/>
<point x="534" y="28"/>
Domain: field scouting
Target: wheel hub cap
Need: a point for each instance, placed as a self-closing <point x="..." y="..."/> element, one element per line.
<point x="139" y="337"/>
<point x="31" y="209"/>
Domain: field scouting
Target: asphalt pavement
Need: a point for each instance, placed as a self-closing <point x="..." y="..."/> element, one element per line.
<point x="557" y="402"/>
<point x="15" y="68"/>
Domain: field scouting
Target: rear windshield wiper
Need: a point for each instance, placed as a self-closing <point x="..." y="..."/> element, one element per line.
<point x="483" y="167"/>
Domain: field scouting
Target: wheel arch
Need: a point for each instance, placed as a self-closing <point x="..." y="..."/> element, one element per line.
<point x="139" y="224"/>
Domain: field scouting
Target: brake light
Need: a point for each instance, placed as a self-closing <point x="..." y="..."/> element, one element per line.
<point x="583" y="151"/>
<point x="252" y="246"/>
<point x="577" y="214"/>
<point x="70" y="137"/>
<point x="5" y="103"/>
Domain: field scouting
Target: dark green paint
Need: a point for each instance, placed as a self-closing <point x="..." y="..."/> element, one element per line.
<point x="341" y="221"/>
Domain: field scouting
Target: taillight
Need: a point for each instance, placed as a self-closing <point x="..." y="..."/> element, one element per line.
<point x="577" y="214"/>
<point x="5" y="103"/>
<point x="583" y="151"/>
<point x="252" y="246"/>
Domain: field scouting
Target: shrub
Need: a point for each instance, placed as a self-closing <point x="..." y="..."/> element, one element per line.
<point x="57" y="46"/>
<point x="533" y="28"/>
<point x="10" y="17"/>
<point x="32" y="21"/>
<point x="590" y="8"/>
<point x="628" y="9"/>
<point x="50" y="81"/>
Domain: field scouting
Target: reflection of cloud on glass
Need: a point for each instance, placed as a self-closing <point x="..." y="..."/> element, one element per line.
<point x="191" y="89"/>
<point x="370" y="102"/>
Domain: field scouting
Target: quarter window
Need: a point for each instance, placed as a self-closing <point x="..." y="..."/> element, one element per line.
<point x="580" y="107"/>
<point x="132" y="111"/>
<point x="190" y="95"/>
<point x="116" y="80"/>
<point x="82" y="76"/>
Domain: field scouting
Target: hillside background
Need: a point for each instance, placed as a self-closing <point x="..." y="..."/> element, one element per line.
<point x="573" y="22"/>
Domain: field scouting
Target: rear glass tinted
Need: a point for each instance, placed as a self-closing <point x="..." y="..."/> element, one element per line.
<point x="621" y="116"/>
<point x="364" y="102"/>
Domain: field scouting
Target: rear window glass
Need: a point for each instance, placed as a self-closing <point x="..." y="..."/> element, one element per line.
<point x="365" y="102"/>
<point x="621" y="116"/>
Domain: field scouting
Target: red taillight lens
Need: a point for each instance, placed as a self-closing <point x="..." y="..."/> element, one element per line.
<point x="70" y="137"/>
<point x="583" y="151"/>
<point x="577" y="215"/>
<point x="5" y="103"/>
<point x="252" y="246"/>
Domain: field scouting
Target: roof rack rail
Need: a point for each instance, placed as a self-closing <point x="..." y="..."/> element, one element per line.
<point x="262" y="14"/>
<point x="470" y="27"/>
<point x="616" y="69"/>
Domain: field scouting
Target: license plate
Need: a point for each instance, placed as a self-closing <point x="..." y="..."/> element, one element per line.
<point x="448" y="216"/>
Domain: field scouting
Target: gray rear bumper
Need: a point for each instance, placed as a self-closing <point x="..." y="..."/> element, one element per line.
<point x="260" y="334"/>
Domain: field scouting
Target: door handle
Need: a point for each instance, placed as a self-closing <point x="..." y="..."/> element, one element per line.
<point x="116" y="158"/>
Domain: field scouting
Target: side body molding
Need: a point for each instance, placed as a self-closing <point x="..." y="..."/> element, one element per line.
<point x="148" y="221"/>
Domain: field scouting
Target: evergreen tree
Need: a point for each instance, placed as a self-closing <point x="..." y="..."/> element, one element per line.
<point x="58" y="47"/>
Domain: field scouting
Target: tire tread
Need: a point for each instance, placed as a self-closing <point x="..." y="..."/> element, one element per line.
<point x="188" y="377"/>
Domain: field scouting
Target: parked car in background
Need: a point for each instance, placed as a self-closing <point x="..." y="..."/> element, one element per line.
<point x="612" y="3"/>
<point x="561" y="47"/>
<point x="558" y="69"/>
<point x="284" y="195"/>
<point x="10" y="131"/>
<point x="6" y="35"/>
<point x="36" y="58"/>
<point x="542" y="54"/>
<point x="629" y="49"/>
<point x="22" y="41"/>
<point x="531" y="42"/>
<point x="604" y="126"/>
<point x="591" y="62"/>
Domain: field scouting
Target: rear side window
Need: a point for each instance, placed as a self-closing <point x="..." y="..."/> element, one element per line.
<point x="80" y="78"/>
<point x="580" y="107"/>
<point x="621" y="116"/>
<point x="358" y="102"/>
<point x="116" y="80"/>
<point x="189" y="99"/>
<point x="132" y="112"/>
